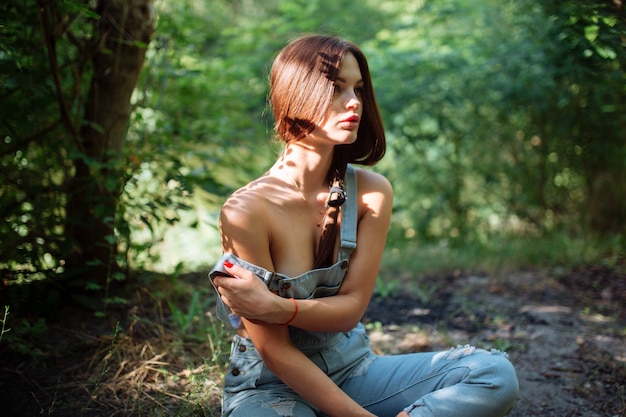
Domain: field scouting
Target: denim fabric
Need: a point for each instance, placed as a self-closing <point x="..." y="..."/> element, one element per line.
<point x="464" y="381"/>
<point x="249" y="385"/>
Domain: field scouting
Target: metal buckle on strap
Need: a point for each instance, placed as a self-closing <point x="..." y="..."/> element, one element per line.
<point x="267" y="277"/>
<point x="348" y="244"/>
<point x="336" y="196"/>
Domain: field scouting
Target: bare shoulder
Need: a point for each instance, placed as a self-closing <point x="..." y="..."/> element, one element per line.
<point x="375" y="193"/>
<point x="243" y="218"/>
<point x="373" y="182"/>
<point x="242" y="207"/>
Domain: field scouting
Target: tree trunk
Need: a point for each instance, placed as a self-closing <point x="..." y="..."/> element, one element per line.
<point x="606" y="191"/>
<point x="122" y="34"/>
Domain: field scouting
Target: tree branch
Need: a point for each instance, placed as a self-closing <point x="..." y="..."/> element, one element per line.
<point x="7" y="150"/>
<point x="44" y="12"/>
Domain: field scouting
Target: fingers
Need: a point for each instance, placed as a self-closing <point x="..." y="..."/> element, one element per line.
<point x="235" y="270"/>
<point x="232" y="271"/>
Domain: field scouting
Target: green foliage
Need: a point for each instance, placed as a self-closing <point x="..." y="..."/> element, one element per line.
<point x="184" y="320"/>
<point x="59" y="192"/>
<point x="500" y="255"/>
<point x="44" y="59"/>
<point x="26" y="340"/>
<point x="484" y="130"/>
<point x="34" y="162"/>
<point x="386" y="289"/>
<point x="503" y="120"/>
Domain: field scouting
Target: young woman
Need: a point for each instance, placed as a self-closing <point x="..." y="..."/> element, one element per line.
<point x="302" y="248"/>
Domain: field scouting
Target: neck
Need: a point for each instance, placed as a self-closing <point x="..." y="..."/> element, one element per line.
<point x="307" y="167"/>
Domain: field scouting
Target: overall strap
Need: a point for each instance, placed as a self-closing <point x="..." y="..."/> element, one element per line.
<point x="349" y="215"/>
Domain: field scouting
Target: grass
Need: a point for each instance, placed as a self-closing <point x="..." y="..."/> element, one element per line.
<point x="167" y="360"/>
<point x="152" y="375"/>
<point x="4" y="322"/>
<point x="497" y="256"/>
<point x="163" y="352"/>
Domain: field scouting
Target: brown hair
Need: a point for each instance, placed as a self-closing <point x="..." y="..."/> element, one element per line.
<point x="302" y="81"/>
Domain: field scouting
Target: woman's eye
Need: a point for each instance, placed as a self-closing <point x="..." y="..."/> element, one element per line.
<point x="358" y="91"/>
<point x="336" y="89"/>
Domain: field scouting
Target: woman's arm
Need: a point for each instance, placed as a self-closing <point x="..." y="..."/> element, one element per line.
<point x="343" y="311"/>
<point x="296" y="370"/>
<point x="248" y="297"/>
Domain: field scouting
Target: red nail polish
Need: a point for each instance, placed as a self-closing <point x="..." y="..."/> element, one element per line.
<point x="228" y="264"/>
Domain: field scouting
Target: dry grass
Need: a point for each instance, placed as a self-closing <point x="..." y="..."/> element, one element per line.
<point x="151" y="366"/>
<point x="144" y="364"/>
<point x="131" y="377"/>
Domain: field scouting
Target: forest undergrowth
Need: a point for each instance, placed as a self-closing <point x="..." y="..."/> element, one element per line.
<point x="163" y="353"/>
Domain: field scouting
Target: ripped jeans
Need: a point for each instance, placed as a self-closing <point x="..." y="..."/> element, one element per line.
<point x="463" y="381"/>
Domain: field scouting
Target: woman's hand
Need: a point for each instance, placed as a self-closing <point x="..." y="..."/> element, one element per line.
<point x="248" y="296"/>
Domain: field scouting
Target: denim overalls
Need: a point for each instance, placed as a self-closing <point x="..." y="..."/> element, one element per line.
<point x="461" y="382"/>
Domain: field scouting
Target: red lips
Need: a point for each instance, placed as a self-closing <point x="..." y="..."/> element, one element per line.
<point x="352" y="119"/>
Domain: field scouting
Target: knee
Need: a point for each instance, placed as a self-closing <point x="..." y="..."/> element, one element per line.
<point x="508" y="376"/>
<point x="490" y="369"/>
<point x="502" y="379"/>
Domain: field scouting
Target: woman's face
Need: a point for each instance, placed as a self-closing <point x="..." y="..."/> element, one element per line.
<point x="342" y="121"/>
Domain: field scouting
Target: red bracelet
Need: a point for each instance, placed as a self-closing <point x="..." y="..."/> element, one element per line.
<point x="295" y="313"/>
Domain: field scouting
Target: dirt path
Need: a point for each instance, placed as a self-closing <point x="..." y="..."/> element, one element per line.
<point x="564" y="330"/>
<point x="565" y="333"/>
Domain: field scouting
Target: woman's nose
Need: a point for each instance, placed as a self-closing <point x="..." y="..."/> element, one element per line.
<point x="353" y="101"/>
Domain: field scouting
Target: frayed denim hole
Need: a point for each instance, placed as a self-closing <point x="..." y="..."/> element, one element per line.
<point x="363" y="366"/>
<point x="466" y="350"/>
<point x="283" y="407"/>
